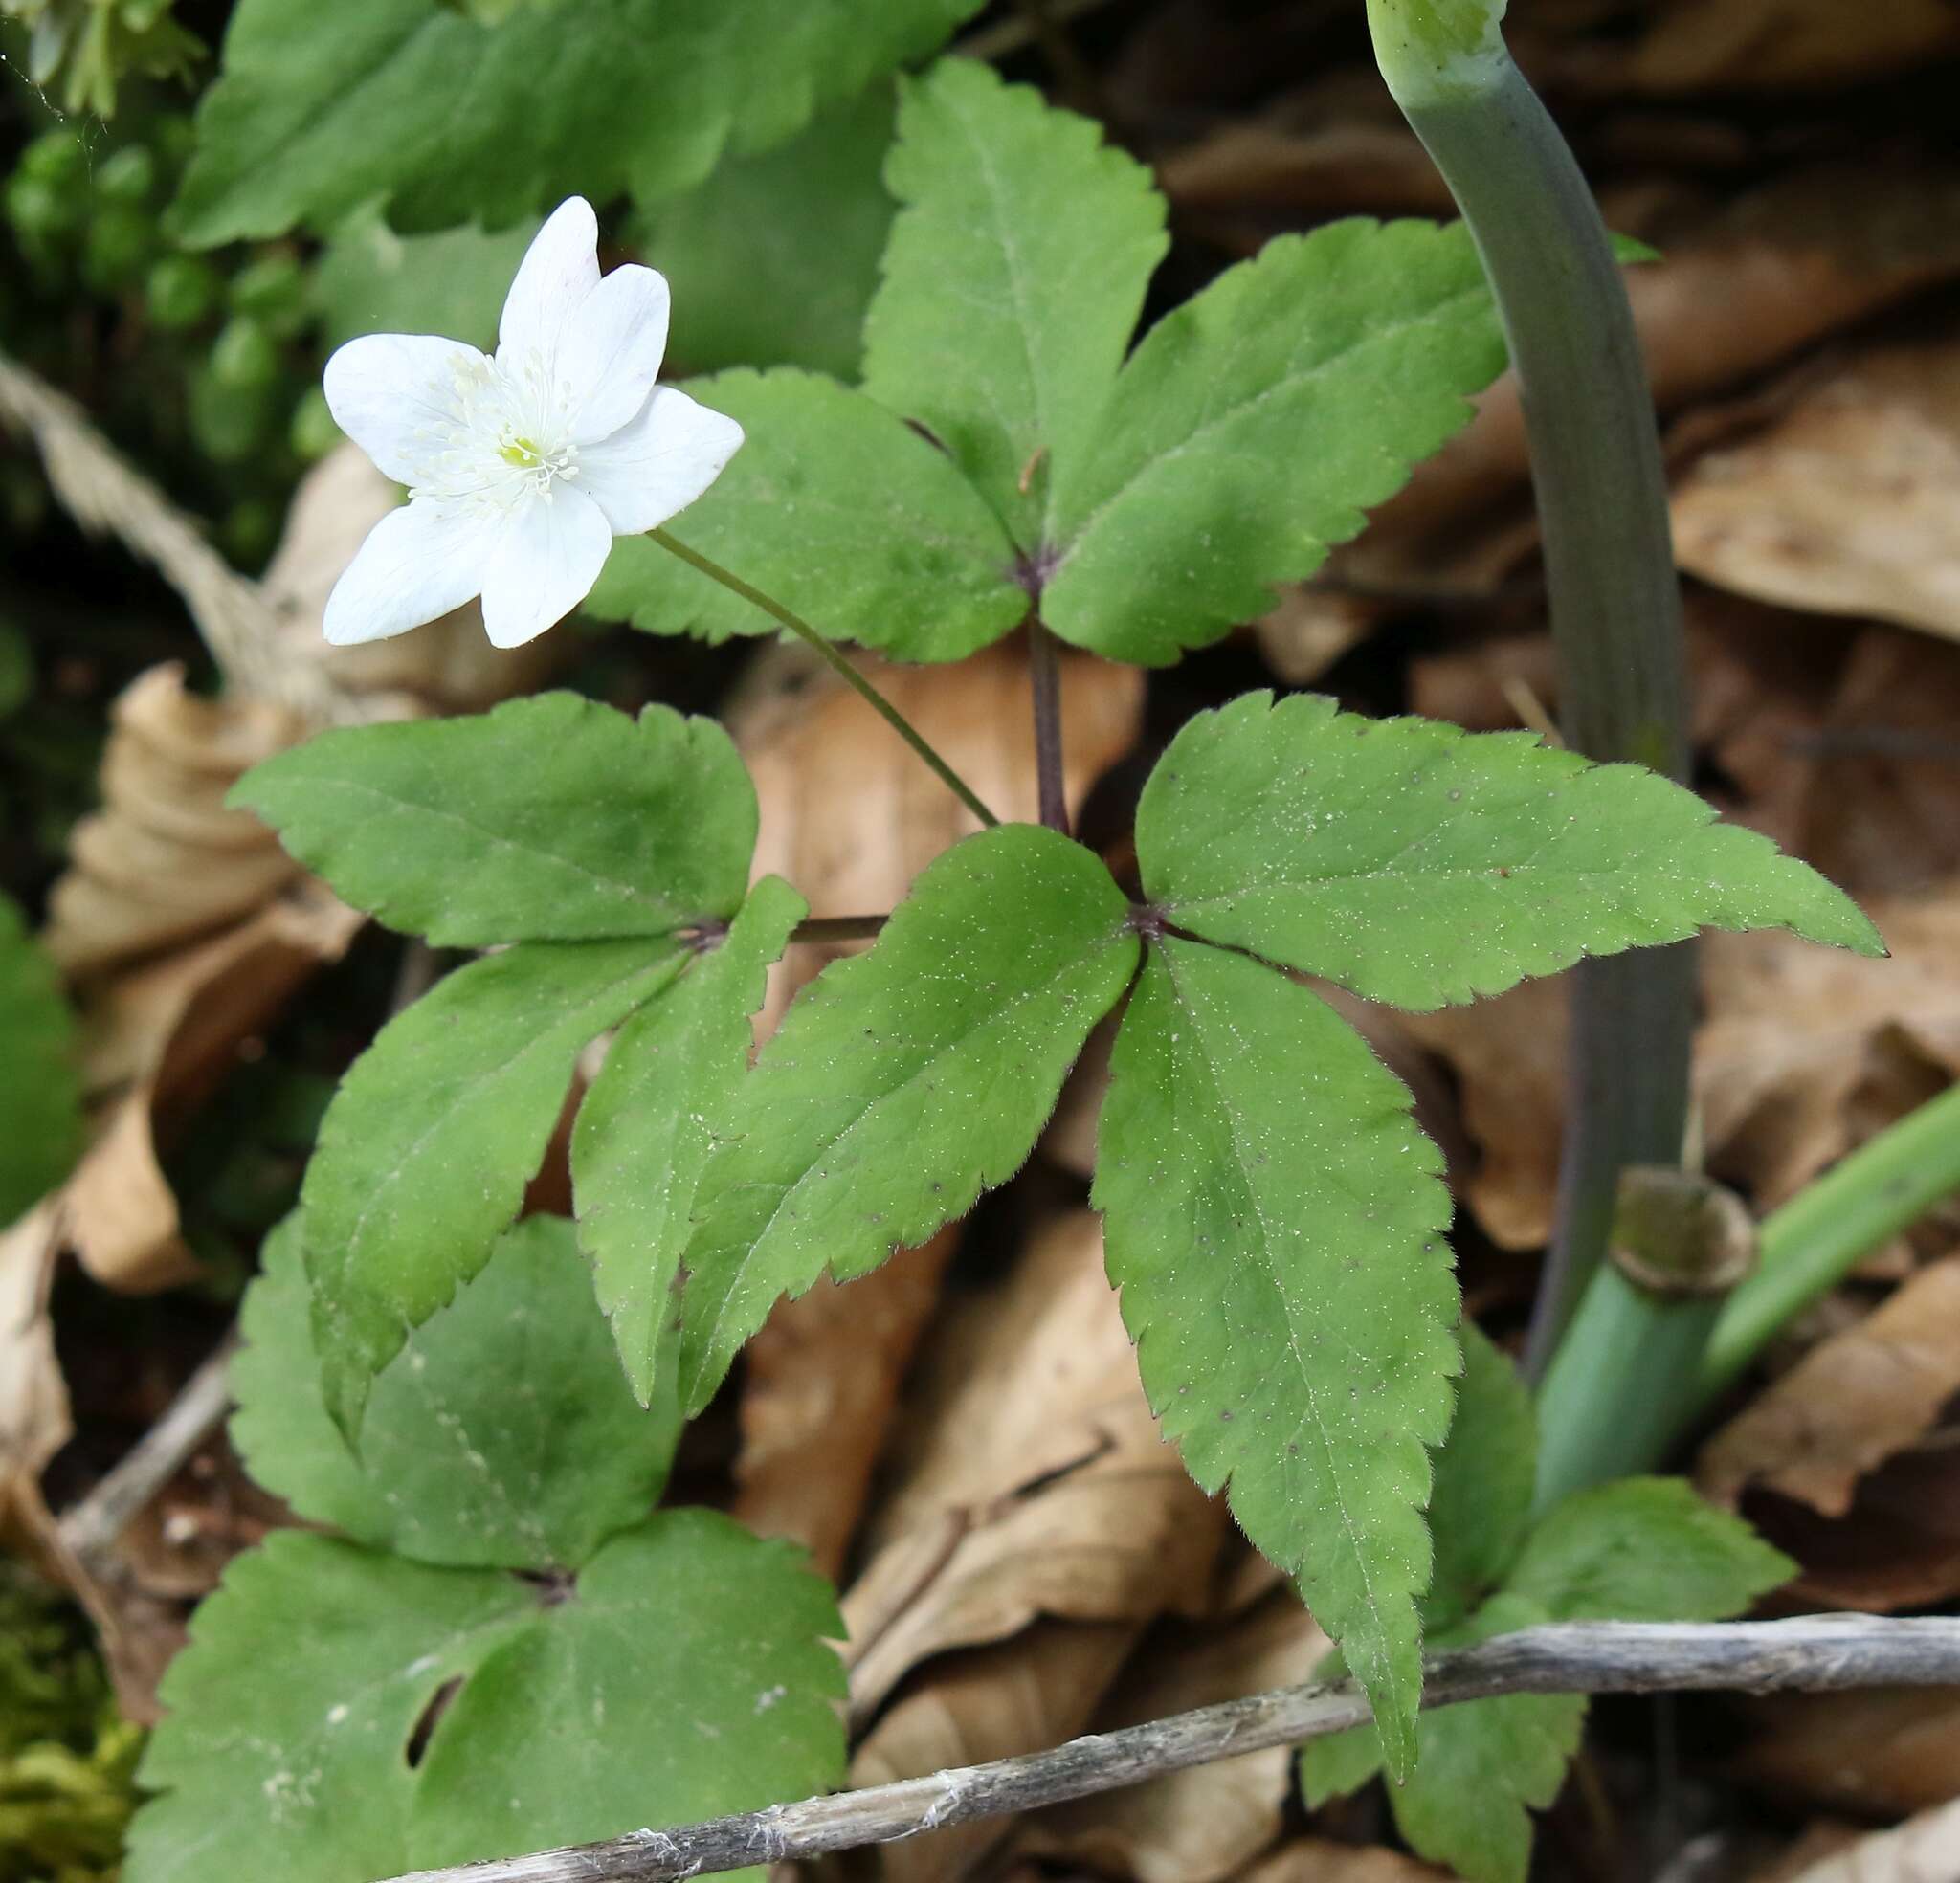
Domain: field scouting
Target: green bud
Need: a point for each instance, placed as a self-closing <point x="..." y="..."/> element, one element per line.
<point x="228" y="423"/>
<point x="55" y="157"/>
<point x="40" y="210"/>
<point x="129" y="176"/>
<point x="244" y="356"/>
<point x="182" y="291"/>
<point x="1430" y="49"/>
<point x="116" y="246"/>
<point x="272" y="290"/>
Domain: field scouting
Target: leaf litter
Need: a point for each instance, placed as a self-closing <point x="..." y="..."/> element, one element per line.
<point x="961" y="1438"/>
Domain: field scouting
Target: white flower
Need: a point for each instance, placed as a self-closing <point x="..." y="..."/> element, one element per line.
<point x="524" y="467"/>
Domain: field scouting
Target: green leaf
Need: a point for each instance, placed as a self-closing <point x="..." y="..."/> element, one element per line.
<point x="1481" y="1770"/>
<point x="426" y="1150"/>
<point x="686" y="1678"/>
<point x="287" y="1750"/>
<point x="904" y="1081"/>
<point x="1645" y="1549"/>
<point x="40" y="1098"/>
<point x="550" y="819"/>
<point x="321" y="110"/>
<point x="1013" y="281"/>
<point x="1487" y="1766"/>
<point x="647" y="1126"/>
<point x="773" y="260"/>
<point x="1421" y="865"/>
<point x="1256" y="424"/>
<point x="1481" y="1500"/>
<point x="371" y="279"/>
<point x="501" y="1436"/>
<point x="837" y="509"/>
<point x="1273" y="1219"/>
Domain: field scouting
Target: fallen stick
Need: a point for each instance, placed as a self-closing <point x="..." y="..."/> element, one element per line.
<point x="1809" y="1655"/>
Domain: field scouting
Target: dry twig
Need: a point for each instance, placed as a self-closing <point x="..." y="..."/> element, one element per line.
<point x="1811" y="1654"/>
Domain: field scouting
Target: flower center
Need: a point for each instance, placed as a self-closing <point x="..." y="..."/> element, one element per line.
<point x="501" y="445"/>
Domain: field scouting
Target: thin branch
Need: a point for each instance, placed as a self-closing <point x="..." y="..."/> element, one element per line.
<point x="1814" y="1654"/>
<point x="1010" y="35"/>
<point x="90" y="1526"/>
<point x="1044" y="669"/>
<point x="102" y="491"/>
<point x="815" y="638"/>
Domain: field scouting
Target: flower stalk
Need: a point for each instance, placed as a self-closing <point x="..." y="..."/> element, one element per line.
<point x="839" y="664"/>
<point x="1615" y="602"/>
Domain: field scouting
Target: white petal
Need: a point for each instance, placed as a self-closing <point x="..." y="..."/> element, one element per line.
<point x="549" y="553"/>
<point x="418" y="563"/>
<point x="559" y="270"/>
<point x="400" y="396"/>
<point x="660" y="463"/>
<point x="610" y="353"/>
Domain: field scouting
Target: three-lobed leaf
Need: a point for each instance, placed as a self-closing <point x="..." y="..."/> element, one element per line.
<point x="40" y="1098"/>
<point x="687" y="1676"/>
<point x="558" y="1666"/>
<point x="1256" y="424"/>
<point x="1013" y="281"/>
<point x="549" y="819"/>
<point x="1642" y="1549"/>
<point x="320" y="110"/>
<point x="838" y="509"/>
<point x="1420" y="864"/>
<point x="904" y="1082"/>
<point x="1146" y="507"/>
<point x="1276" y="1225"/>
<point x="426" y="1150"/>
<point x="501" y="1436"/>
<point x="647" y="1126"/>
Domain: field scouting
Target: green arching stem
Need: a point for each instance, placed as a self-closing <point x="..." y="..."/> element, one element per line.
<point x="843" y="667"/>
<point x="1817" y="1237"/>
<point x="1615" y="600"/>
<point x="1660" y="1363"/>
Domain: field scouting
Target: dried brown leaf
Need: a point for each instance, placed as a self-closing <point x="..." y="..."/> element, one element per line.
<point x="1784" y="45"/>
<point x="34" y="1398"/>
<point x="1745" y="283"/>
<point x="1850" y="1403"/>
<point x="1848" y="500"/>
<point x="1796" y="1064"/>
<point x="1034" y="1482"/>
<point x="822" y="1377"/>
<point x="1318" y="1860"/>
<point x="164" y="860"/>
<point x="1509" y="1059"/>
<point x="156" y="1041"/>
<point x="1020" y="1695"/>
<point x="1924" y="1849"/>
<point x="1896" y="1547"/>
<point x="1203" y="1824"/>
<point x="1879" y="1754"/>
<point x="448" y="666"/>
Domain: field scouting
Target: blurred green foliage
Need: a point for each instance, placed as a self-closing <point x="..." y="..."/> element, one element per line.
<point x="66" y="1758"/>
